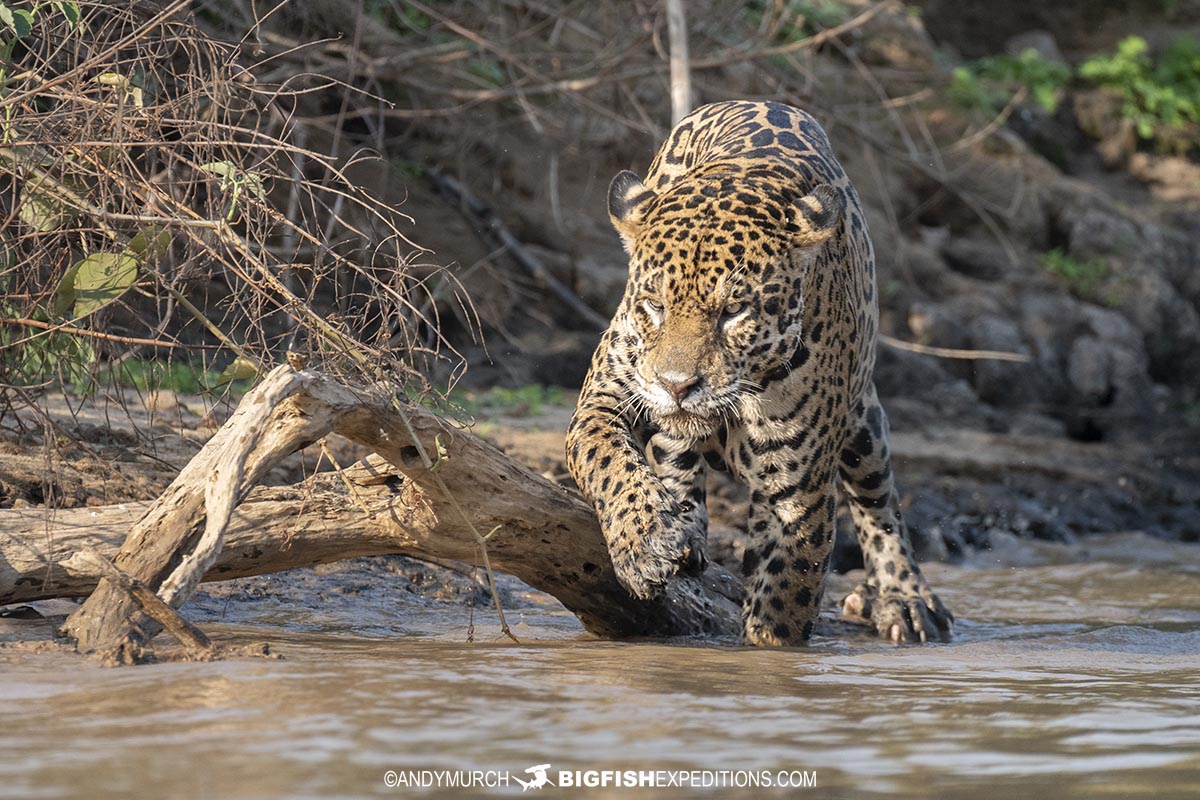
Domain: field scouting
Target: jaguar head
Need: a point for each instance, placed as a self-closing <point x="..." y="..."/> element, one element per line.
<point x="714" y="301"/>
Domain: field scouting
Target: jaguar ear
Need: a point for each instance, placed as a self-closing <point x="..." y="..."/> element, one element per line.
<point x="816" y="216"/>
<point x="628" y="199"/>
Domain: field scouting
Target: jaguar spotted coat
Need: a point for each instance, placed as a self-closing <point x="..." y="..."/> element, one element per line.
<point x="745" y="340"/>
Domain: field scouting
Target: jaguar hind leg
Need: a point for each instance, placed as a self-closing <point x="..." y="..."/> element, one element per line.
<point x="895" y="597"/>
<point x="789" y="533"/>
<point x="787" y="557"/>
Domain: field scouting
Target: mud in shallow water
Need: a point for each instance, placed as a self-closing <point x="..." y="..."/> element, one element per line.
<point x="1064" y="680"/>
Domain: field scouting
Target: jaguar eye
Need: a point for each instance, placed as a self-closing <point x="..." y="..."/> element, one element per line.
<point x="653" y="305"/>
<point x="733" y="308"/>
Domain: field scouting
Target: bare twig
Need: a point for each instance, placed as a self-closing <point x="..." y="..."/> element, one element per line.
<point x="953" y="352"/>
<point x="808" y="43"/>
<point x="485" y="221"/>
<point x="90" y="334"/>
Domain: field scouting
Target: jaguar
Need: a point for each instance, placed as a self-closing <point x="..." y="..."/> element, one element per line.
<point x="745" y="341"/>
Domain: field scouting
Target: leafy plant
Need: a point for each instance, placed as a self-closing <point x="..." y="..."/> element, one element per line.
<point x="798" y="19"/>
<point x="487" y="69"/>
<point x="148" y="374"/>
<point x="182" y="376"/>
<point x="404" y="17"/>
<point x="972" y="92"/>
<point x="1081" y="276"/>
<point x="19" y="22"/>
<point x="1158" y="95"/>
<point x="988" y="84"/>
<point x="819" y="15"/>
<point x="235" y="181"/>
<point x="94" y="282"/>
<point x="15" y="25"/>
<point x="123" y="86"/>
<point x="36" y="356"/>
<point x="409" y="170"/>
<point x="529" y="400"/>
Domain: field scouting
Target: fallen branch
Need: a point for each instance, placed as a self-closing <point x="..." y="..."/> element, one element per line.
<point x="548" y="536"/>
<point x="197" y="645"/>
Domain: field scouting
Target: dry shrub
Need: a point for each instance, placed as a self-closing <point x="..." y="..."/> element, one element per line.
<point x="157" y="205"/>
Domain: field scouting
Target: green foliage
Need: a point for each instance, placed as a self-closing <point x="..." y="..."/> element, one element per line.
<point x="241" y="368"/>
<point x="401" y="17"/>
<point x="987" y="84"/>
<point x="147" y="374"/>
<point x="41" y="210"/>
<point x="798" y="19"/>
<point x="94" y="282"/>
<point x="487" y="69"/>
<point x="1158" y="95"/>
<point x="1082" y="277"/>
<point x="17" y="23"/>
<point x="182" y="377"/>
<point x="523" y="401"/>
<point x="35" y="356"/>
<point x="123" y="86"/>
<point x="818" y="15"/>
<point x="149" y="245"/>
<point x="70" y="11"/>
<point x="970" y="91"/>
<point x="409" y="170"/>
<point x="235" y="181"/>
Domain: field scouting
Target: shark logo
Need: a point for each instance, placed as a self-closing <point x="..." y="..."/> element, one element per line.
<point x="539" y="779"/>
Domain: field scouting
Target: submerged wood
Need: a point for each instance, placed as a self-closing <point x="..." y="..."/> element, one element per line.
<point x="194" y="641"/>
<point x="547" y="536"/>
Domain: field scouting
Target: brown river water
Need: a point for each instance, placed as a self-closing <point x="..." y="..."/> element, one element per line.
<point x="1066" y="679"/>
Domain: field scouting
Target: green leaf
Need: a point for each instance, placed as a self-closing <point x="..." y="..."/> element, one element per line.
<point x="18" y="20"/>
<point x="226" y="169"/>
<point x="41" y="211"/>
<point x="488" y="69"/>
<point x="254" y="184"/>
<point x="150" y="245"/>
<point x="239" y="369"/>
<point x="70" y="11"/>
<point x="22" y="22"/>
<point x="101" y="278"/>
<point x="64" y="294"/>
<point x="112" y="79"/>
<point x="122" y="84"/>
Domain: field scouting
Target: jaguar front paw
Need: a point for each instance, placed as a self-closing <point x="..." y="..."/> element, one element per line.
<point x="648" y="558"/>
<point x="899" y="617"/>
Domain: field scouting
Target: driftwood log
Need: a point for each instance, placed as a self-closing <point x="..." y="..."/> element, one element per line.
<point x="201" y="528"/>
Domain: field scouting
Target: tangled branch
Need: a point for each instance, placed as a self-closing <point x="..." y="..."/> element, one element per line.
<point x="157" y="199"/>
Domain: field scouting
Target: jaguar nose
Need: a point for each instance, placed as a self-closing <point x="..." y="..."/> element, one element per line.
<point x="679" y="385"/>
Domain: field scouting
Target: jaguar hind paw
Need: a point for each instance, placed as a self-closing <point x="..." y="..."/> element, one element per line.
<point x="899" y="617"/>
